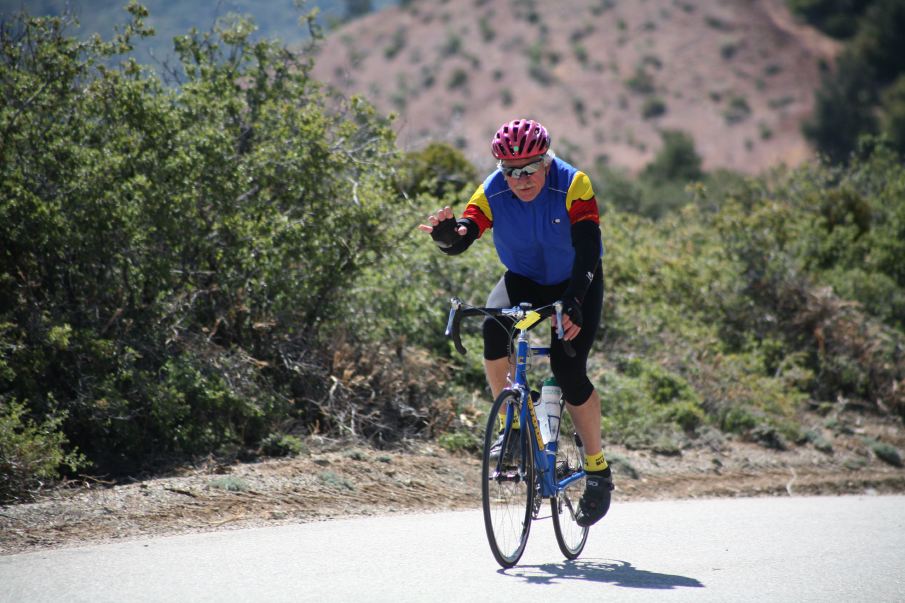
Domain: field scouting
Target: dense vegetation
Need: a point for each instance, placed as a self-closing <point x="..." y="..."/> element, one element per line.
<point x="231" y="264"/>
<point x="864" y="92"/>
<point x="175" y="260"/>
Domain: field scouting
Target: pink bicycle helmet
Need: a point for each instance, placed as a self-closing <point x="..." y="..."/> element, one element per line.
<point x="520" y="138"/>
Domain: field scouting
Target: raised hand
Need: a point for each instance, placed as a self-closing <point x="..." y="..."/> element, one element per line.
<point x="443" y="228"/>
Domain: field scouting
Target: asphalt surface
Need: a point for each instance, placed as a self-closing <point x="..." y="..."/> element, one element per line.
<point x="755" y="549"/>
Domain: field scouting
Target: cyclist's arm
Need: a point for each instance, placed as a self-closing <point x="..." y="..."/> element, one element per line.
<point x="586" y="241"/>
<point x="585" y="219"/>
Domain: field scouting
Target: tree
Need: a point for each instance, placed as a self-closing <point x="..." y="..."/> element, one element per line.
<point x="843" y="109"/>
<point x="880" y="41"/>
<point x="677" y="160"/>
<point x="838" y="18"/>
<point x="893" y="114"/>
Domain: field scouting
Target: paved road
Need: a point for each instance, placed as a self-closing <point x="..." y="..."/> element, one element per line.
<point x="766" y="549"/>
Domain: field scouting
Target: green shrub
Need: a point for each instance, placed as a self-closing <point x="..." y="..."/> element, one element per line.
<point x="338" y="482"/>
<point x="885" y="451"/>
<point x="468" y="441"/>
<point x="230" y="483"/>
<point x="892" y="120"/>
<point x="738" y="420"/>
<point x="397" y="43"/>
<point x="458" y="79"/>
<point x="686" y="414"/>
<point x="676" y="161"/>
<point x="728" y="49"/>
<point x="855" y="463"/>
<point x="488" y="33"/>
<point x="646" y="406"/>
<point x="641" y="82"/>
<point x="356" y="454"/>
<point x="819" y="442"/>
<point x="737" y="110"/>
<point x="31" y="454"/>
<point x="281" y="444"/>
<point x="653" y="107"/>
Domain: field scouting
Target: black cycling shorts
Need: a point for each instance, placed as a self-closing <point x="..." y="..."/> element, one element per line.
<point x="570" y="373"/>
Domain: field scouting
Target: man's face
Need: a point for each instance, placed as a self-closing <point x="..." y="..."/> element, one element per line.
<point x="525" y="186"/>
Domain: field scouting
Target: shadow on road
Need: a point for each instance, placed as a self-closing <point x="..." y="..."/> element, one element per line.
<point x="618" y="573"/>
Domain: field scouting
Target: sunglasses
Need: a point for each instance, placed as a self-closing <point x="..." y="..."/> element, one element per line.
<point x="516" y="172"/>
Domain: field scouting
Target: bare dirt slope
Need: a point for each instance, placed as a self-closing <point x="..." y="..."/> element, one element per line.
<point x="338" y="479"/>
<point x="738" y="76"/>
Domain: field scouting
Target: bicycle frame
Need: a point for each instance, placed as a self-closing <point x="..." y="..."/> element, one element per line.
<point x="543" y="456"/>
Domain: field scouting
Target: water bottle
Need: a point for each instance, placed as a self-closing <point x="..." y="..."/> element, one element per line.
<point x="550" y="396"/>
<point x="540" y="409"/>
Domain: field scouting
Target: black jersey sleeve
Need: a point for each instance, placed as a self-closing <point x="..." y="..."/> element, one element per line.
<point x="586" y="241"/>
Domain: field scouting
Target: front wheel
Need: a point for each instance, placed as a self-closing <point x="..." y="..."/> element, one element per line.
<point x="570" y="536"/>
<point x="507" y="482"/>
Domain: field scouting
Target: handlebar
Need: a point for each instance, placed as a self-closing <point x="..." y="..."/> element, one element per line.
<point x="458" y="311"/>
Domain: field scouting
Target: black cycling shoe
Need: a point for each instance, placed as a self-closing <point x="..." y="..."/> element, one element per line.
<point x="511" y="448"/>
<point x="595" y="501"/>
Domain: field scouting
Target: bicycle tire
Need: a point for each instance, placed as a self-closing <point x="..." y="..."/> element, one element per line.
<point x="507" y="497"/>
<point x="570" y="536"/>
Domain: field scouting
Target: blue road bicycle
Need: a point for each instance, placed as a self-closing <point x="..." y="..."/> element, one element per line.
<point x="524" y="470"/>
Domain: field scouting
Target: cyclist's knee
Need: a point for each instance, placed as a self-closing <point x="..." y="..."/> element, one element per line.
<point x="496" y="340"/>
<point x="576" y="389"/>
<point x="580" y="393"/>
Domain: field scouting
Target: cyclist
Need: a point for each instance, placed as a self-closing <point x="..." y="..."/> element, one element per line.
<point x="546" y="230"/>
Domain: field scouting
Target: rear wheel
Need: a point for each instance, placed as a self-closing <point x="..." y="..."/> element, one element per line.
<point x="570" y="536"/>
<point x="507" y="485"/>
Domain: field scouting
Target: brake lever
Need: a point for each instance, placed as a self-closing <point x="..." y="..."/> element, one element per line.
<point x="452" y="325"/>
<point x="560" y="332"/>
<point x="454" y="304"/>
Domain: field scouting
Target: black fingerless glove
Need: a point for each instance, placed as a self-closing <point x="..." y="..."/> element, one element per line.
<point x="444" y="233"/>
<point x="571" y="307"/>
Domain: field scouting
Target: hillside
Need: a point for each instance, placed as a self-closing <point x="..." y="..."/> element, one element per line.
<point x="605" y="76"/>
<point x="171" y="18"/>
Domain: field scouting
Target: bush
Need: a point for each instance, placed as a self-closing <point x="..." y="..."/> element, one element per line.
<point x="837" y="18"/>
<point x="737" y="111"/>
<point x="789" y="241"/>
<point x="31" y="454"/>
<point x="677" y="160"/>
<point x="646" y="406"/>
<point x="172" y="272"/>
<point x="843" y="109"/>
<point x="281" y="444"/>
<point x="653" y="107"/>
<point x="885" y="452"/>
<point x="641" y="82"/>
<point x="892" y="120"/>
<point x="462" y="441"/>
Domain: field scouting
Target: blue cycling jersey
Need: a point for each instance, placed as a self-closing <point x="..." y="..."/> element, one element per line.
<point x="534" y="238"/>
